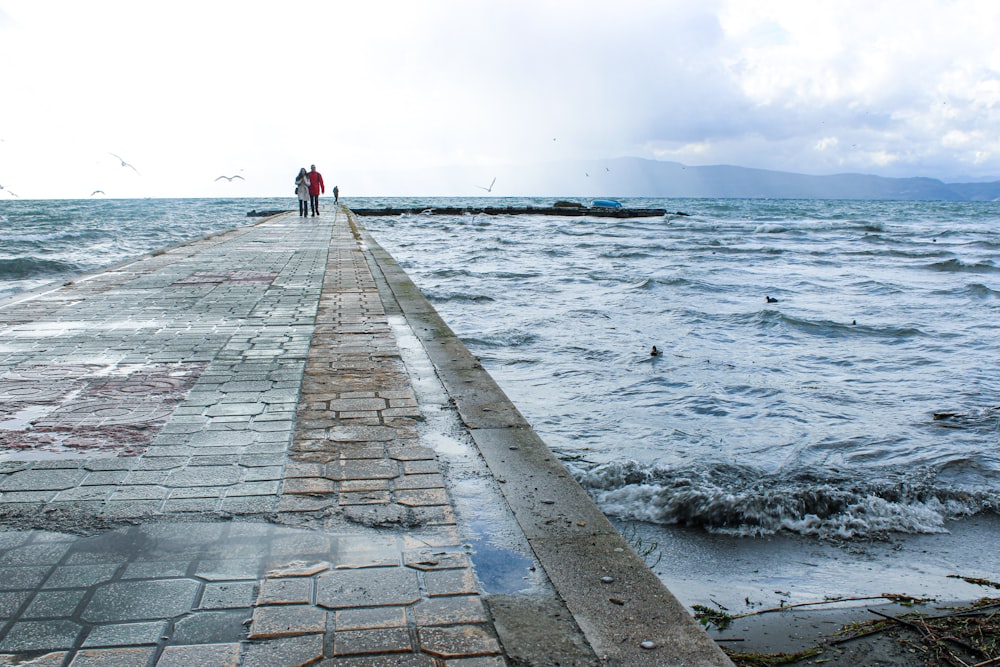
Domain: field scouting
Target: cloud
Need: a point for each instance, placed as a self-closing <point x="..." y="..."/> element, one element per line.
<point x="189" y="90"/>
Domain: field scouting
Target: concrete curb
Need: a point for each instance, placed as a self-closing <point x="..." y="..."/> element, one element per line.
<point x="616" y="600"/>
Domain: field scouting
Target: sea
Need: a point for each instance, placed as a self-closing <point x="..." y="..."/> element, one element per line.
<point x="823" y="416"/>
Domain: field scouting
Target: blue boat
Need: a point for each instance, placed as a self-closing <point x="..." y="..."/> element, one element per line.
<point x="607" y="203"/>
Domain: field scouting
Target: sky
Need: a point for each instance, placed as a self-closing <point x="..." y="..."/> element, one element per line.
<point x="186" y="92"/>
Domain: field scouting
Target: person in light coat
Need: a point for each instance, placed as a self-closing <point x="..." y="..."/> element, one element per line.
<point x="302" y="191"/>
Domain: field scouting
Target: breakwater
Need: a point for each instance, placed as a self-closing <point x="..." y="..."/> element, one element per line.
<point x="575" y="211"/>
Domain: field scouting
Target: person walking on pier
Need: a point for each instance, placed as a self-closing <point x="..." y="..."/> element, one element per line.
<point x="315" y="188"/>
<point x="302" y="191"/>
<point x="336" y="194"/>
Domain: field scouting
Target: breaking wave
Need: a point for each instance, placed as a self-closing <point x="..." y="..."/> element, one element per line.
<point x="744" y="501"/>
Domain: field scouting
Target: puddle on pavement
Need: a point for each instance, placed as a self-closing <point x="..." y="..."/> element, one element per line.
<point x="500" y="570"/>
<point x="500" y="555"/>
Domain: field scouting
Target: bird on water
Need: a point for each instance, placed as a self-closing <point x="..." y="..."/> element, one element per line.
<point x="771" y="299"/>
<point x="655" y="353"/>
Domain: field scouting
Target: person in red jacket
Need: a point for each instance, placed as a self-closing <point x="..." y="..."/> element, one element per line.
<point x="315" y="187"/>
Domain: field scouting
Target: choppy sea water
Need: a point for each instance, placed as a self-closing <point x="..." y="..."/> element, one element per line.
<point x="46" y="240"/>
<point x="863" y="404"/>
<point x="863" y="401"/>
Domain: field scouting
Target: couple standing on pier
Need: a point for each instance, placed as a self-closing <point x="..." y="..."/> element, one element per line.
<point x="308" y="186"/>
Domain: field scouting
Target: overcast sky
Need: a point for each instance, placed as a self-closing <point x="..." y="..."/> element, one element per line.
<point x="188" y="91"/>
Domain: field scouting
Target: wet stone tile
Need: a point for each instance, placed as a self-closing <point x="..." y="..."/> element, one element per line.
<point x="450" y="582"/>
<point x="104" y="477"/>
<point x="262" y="473"/>
<point x="293" y="590"/>
<point x="361" y="451"/>
<point x="364" y="498"/>
<point x="412" y="453"/>
<point x="212" y="655"/>
<point x="113" y="657"/>
<point x="36" y="554"/>
<point x="84" y="493"/>
<point x="368" y="587"/>
<point x="299" y="568"/>
<point x="356" y="485"/>
<point x="283" y="651"/>
<point x="204" y="476"/>
<point x="11" y="601"/>
<point x="367" y="469"/>
<point x="197" y="505"/>
<point x="390" y="660"/>
<point x="20" y="578"/>
<point x="126" y="493"/>
<point x="235" y="569"/>
<point x="426" y="481"/>
<point x="41" y="636"/>
<point x="450" y="611"/>
<point x="458" y="641"/>
<point x="429" y="559"/>
<point x="361" y="433"/>
<point x="308" y="486"/>
<point x="42" y="480"/>
<point x="156" y="570"/>
<point x="54" y="604"/>
<point x="254" y="489"/>
<point x="421" y="497"/>
<point x="287" y="621"/>
<point x="421" y="467"/>
<point x="125" y="634"/>
<point x="480" y="661"/>
<point x="382" y="640"/>
<point x="81" y="576"/>
<point x="304" y="503"/>
<point x="228" y="595"/>
<point x="370" y="618"/>
<point x="249" y="504"/>
<point x="141" y="600"/>
<point x="210" y="627"/>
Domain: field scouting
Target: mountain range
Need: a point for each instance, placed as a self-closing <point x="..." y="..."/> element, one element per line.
<point x="639" y="177"/>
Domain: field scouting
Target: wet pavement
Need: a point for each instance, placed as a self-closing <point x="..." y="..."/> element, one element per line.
<point x="263" y="448"/>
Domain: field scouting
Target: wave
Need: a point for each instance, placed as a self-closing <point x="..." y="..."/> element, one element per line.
<point x="500" y="339"/>
<point x="814" y="225"/>
<point x="444" y="272"/>
<point x="458" y="297"/>
<point x="744" y="501"/>
<point x="958" y="266"/>
<point x="980" y="291"/>
<point x="20" y="268"/>
<point x="774" y="319"/>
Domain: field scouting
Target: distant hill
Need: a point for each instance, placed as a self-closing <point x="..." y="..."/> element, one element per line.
<point x="638" y="177"/>
<point x="672" y="179"/>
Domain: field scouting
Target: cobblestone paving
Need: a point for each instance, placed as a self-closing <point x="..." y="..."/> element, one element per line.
<point x="153" y="415"/>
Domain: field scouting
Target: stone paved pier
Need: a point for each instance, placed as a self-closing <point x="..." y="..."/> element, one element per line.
<point x="265" y="448"/>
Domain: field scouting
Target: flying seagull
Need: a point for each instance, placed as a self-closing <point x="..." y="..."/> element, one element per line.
<point x="126" y="164"/>
<point x="489" y="189"/>
<point x="230" y="178"/>
<point x="97" y="192"/>
<point x="12" y="193"/>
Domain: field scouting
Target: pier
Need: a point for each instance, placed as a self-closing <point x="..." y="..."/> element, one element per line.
<point x="265" y="448"/>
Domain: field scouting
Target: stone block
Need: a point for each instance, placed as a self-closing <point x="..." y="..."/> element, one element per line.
<point x="209" y="655"/>
<point x="458" y="641"/>
<point x="287" y="621"/>
<point x="367" y="587"/>
<point x="294" y="590"/>
<point x="367" y="642"/>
